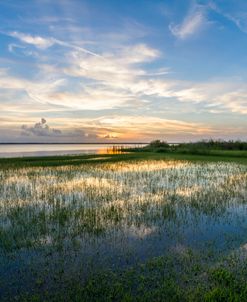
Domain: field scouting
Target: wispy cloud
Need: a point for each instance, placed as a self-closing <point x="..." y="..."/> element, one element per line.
<point x="37" y="41"/>
<point x="120" y="84"/>
<point x="227" y="95"/>
<point x="13" y="46"/>
<point x="122" y="127"/>
<point x="236" y="15"/>
<point x="192" y="23"/>
<point x="44" y="42"/>
<point x="120" y="77"/>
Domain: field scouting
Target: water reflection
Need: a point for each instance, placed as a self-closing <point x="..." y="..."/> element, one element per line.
<point x="21" y="150"/>
<point x="113" y="150"/>
<point x="114" y="215"/>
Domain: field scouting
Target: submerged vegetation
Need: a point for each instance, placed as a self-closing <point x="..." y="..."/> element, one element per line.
<point x="111" y="229"/>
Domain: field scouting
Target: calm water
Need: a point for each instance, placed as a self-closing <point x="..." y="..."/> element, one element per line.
<point x="21" y="150"/>
<point x="62" y="224"/>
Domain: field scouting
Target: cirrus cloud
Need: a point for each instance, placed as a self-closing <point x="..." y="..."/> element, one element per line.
<point x="192" y="23"/>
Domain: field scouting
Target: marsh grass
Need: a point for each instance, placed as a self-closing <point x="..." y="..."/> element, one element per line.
<point x="131" y="212"/>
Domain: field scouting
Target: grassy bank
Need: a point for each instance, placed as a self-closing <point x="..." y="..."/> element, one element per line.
<point x="213" y="155"/>
<point x="202" y="150"/>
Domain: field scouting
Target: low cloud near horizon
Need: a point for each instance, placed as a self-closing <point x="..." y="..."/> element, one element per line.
<point x="40" y="129"/>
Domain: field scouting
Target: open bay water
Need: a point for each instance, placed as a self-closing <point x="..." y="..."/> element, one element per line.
<point x="26" y="150"/>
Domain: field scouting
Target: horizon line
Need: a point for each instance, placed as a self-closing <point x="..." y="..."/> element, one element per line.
<point x="71" y="143"/>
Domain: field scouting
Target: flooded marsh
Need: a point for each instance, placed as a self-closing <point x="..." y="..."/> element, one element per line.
<point x="139" y="223"/>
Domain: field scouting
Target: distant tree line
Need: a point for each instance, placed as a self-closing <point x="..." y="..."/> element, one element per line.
<point x="216" y="145"/>
<point x="203" y="144"/>
<point x="200" y="147"/>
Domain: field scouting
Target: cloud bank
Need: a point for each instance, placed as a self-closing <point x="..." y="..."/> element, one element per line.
<point x="40" y="129"/>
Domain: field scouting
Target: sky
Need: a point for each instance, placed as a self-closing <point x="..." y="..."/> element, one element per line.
<point x="122" y="71"/>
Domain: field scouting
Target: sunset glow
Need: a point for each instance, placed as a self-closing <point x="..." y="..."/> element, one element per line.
<point x="122" y="71"/>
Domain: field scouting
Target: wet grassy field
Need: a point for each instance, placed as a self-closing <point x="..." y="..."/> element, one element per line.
<point x="128" y="227"/>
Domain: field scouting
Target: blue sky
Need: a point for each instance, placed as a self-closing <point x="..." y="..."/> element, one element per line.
<point x="115" y="71"/>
